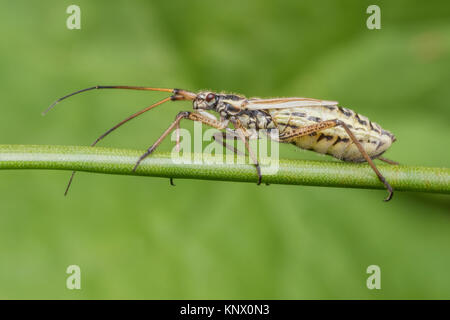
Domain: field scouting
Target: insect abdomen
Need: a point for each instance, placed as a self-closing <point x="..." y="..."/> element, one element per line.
<point x="334" y="141"/>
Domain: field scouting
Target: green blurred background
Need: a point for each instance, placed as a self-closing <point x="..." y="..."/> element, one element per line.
<point x="137" y="237"/>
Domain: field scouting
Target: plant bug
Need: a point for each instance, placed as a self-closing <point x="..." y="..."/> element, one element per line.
<point x="317" y="125"/>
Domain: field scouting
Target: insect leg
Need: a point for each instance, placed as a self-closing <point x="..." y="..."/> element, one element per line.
<point x="177" y="147"/>
<point x="182" y="115"/>
<point x="332" y="123"/>
<point x="242" y="136"/>
<point x="303" y="131"/>
<point x="117" y="126"/>
<point x="388" y="161"/>
<point x="220" y="137"/>
<point x="368" y="159"/>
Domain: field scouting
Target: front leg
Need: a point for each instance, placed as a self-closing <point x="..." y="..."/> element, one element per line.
<point x="206" y="115"/>
<point x="182" y="115"/>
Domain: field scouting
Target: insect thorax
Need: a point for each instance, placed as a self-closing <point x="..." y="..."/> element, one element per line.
<point x="232" y="106"/>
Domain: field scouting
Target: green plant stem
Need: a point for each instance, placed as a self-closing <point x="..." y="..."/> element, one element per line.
<point x="297" y="172"/>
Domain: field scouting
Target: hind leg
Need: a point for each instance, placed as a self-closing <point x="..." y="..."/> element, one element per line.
<point x="395" y="163"/>
<point x="303" y="131"/>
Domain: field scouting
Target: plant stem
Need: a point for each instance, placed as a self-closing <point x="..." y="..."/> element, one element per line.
<point x="297" y="172"/>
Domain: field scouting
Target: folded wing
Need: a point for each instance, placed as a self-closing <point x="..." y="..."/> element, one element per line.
<point x="284" y="103"/>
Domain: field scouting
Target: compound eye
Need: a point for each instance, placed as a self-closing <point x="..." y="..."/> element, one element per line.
<point x="210" y="97"/>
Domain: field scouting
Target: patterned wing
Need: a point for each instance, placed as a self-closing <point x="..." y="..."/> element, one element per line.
<point x="285" y="103"/>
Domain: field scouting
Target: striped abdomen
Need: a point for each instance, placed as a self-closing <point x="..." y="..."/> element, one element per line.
<point x="334" y="141"/>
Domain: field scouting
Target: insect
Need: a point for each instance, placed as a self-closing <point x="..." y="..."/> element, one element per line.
<point x="318" y="125"/>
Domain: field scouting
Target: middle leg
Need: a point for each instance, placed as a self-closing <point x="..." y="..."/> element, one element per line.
<point x="240" y="131"/>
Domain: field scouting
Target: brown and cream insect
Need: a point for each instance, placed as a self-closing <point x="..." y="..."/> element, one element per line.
<point x="311" y="124"/>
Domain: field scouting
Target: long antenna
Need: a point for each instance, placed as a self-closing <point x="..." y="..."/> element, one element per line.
<point x="134" y="115"/>
<point x="106" y="87"/>
<point x="177" y="95"/>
